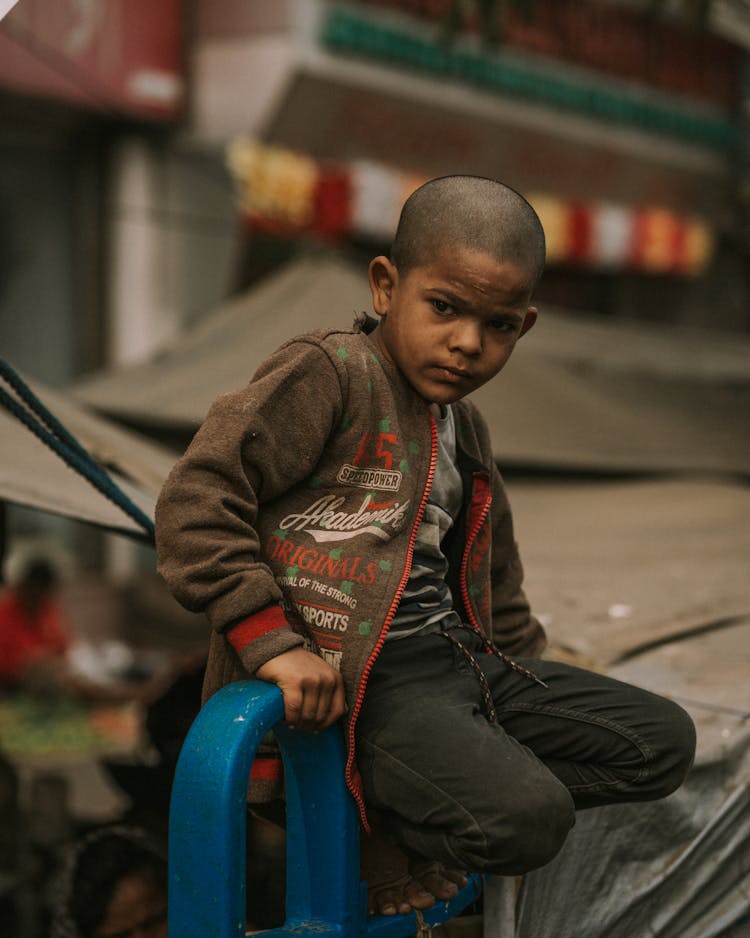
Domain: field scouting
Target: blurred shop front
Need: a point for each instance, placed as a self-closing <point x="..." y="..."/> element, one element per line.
<point x="71" y="77"/>
<point x="622" y="129"/>
<point x="137" y="138"/>
<point x="75" y="79"/>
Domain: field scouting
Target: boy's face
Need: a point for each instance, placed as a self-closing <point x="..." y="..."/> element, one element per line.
<point x="451" y="325"/>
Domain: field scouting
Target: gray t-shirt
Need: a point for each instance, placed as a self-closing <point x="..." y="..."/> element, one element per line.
<point x="427" y="599"/>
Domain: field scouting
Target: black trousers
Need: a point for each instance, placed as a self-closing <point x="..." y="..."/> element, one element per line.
<point x="501" y="797"/>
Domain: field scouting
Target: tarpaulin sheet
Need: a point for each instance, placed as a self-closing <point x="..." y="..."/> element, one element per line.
<point x="648" y="581"/>
<point x="579" y="394"/>
<point x="676" y="868"/>
<point x="224" y="349"/>
<point x="33" y="476"/>
<point x="613" y="567"/>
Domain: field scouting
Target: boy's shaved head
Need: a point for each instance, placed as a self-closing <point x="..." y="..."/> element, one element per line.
<point x="473" y="212"/>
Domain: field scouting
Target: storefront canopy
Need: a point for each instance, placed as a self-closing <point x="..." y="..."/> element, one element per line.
<point x="580" y="394"/>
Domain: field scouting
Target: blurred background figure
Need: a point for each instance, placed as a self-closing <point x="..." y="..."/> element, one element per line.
<point x="91" y="724"/>
<point x="113" y="884"/>
<point x="38" y="653"/>
<point x="33" y="636"/>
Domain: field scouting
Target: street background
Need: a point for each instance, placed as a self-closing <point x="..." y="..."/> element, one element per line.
<point x="184" y="185"/>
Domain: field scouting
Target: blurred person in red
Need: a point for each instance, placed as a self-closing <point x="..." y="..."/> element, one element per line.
<point x="35" y="640"/>
<point x="33" y="634"/>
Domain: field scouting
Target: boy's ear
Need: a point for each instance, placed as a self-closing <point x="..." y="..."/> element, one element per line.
<point x="529" y="319"/>
<point x="383" y="278"/>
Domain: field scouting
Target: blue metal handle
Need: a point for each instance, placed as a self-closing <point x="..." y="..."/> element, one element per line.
<point x="207" y="828"/>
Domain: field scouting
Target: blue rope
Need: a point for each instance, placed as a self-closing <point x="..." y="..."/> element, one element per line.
<point x="34" y="416"/>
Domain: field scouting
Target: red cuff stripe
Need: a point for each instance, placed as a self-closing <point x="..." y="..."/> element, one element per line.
<point x="246" y="631"/>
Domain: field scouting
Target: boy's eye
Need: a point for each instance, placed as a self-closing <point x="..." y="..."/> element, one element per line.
<point x="502" y="325"/>
<point x="441" y="306"/>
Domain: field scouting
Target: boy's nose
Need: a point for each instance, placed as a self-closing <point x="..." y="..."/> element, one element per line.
<point x="467" y="338"/>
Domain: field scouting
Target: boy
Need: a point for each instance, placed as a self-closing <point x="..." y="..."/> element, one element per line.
<point x="343" y="524"/>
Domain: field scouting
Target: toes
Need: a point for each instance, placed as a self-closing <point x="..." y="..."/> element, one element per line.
<point x="399" y="898"/>
<point x="390" y="901"/>
<point x="418" y="895"/>
<point x="456" y="876"/>
<point x="441" y="882"/>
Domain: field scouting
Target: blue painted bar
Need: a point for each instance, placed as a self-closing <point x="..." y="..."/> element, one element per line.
<point x="207" y="829"/>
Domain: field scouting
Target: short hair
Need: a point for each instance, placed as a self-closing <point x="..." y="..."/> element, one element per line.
<point x="473" y="212"/>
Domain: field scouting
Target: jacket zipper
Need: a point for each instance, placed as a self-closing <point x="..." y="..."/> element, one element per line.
<point x="386" y="626"/>
<point x="463" y="579"/>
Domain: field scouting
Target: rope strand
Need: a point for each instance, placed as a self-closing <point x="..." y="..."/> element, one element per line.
<point x="491" y="649"/>
<point x="52" y="433"/>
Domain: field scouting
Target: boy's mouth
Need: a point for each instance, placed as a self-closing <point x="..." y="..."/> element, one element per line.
<point x="452" y="374"/>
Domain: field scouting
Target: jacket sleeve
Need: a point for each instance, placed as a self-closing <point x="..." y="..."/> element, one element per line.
<point x="514" y="629"/>
<point x="254" y="445"/>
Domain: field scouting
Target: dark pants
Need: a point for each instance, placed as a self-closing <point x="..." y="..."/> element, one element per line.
<point x="451" y="786"/>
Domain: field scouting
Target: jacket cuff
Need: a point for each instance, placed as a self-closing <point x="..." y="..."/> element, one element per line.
<point x="248" y="630"/>
<point x="261" y="637"/>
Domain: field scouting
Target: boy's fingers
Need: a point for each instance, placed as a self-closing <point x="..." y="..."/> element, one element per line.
<point x="303" y="713"/>
<point x="337" y="706"/>
<point x="292" y="705"/>
<point x="313" y="699"/>
<point x="330" y="694"/>
<point x="323" y="709"/>
<point x="313" y="691"/>
<point x="323" y="705"/>
<point x="330" y="702"/>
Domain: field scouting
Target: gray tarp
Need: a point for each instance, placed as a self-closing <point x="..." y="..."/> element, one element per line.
<point x="579" y="393"/>
<point x="649" y="581"/>
<point x="223" y="350"/>
<point x="613" y="567"/>
<point x="33" y="476"/>
<point x="678" y="868"/>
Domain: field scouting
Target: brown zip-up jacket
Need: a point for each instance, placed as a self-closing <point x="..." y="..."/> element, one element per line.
<point x="302" y="493"/>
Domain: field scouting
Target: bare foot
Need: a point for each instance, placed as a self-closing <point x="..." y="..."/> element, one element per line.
<point x="391" y="888"/>
<point x="398" y="897"/>
<point x="441" y="882"/>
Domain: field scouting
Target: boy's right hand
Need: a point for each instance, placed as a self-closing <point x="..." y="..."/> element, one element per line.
<point x="313" y="690"/>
